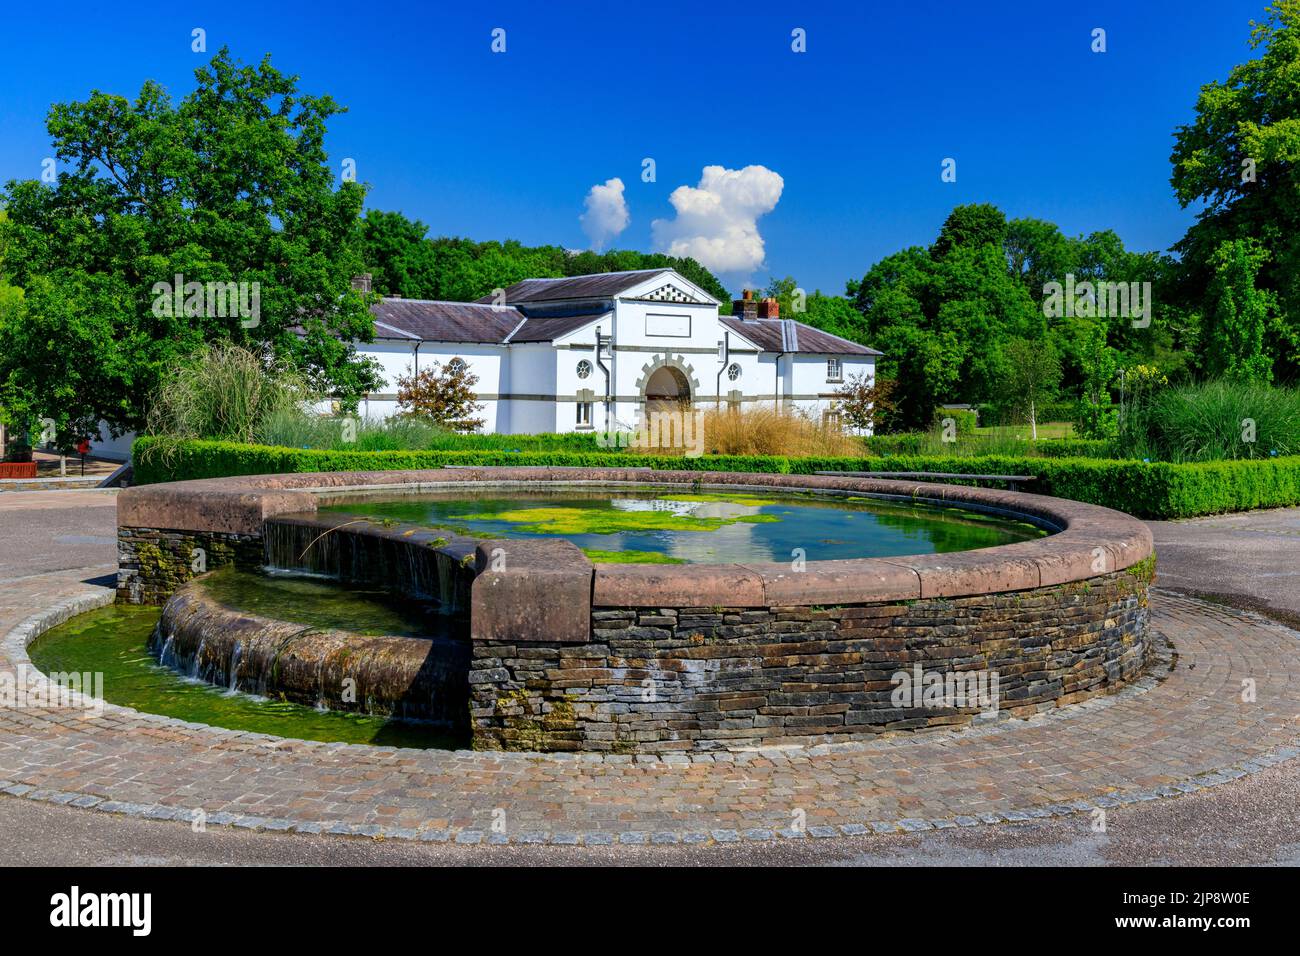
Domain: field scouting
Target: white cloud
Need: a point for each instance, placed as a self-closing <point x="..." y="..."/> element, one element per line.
<point x="717" y="221"/>
<point x="606" y="214"/>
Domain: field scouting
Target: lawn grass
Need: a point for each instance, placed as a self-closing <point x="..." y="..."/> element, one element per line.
<point x="1023" y="432"/>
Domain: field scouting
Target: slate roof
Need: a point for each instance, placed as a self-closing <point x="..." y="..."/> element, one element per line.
<point x="481" y="322"/>
<point x="600" y="285"/>
<point x="547" y="329"/>
<point x="787" y="335"/>
<point x="423" y="320"/>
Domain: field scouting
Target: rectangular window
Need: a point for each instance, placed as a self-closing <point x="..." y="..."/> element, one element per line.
<point x="831" y="418"/>
<point x="584" y="414"/>
<point x="834" y="370"/>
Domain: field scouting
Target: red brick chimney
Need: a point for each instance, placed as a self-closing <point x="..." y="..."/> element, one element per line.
<point x="745" y="309"/>
<point x="769" y="309"/>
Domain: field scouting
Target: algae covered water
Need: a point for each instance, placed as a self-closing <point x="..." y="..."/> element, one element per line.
<point x="112" y="641"/>
<point x="659" y="526"/>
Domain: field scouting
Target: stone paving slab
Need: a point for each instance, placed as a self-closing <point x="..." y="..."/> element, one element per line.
<point x="1189" y="730"/>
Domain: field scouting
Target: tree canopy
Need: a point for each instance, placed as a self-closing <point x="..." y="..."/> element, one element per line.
<point x="1240" y="157"/>
<point x="231" y="186"/>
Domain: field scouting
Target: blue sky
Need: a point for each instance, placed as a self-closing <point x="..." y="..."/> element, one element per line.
<point x="496" y="146"/>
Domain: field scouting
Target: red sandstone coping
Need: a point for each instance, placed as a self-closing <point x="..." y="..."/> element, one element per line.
<point x="1091" y="540"/>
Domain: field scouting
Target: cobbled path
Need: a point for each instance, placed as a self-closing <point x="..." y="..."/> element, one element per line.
<point x="1222" y="702"/>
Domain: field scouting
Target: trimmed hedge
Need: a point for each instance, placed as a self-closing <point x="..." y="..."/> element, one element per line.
<point x="1156" y="490"/>
<point x="220" y="459"/>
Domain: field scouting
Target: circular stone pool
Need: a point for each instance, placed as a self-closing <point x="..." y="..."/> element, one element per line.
<point x="663" y="526"/>
<point x="629" y="610"/>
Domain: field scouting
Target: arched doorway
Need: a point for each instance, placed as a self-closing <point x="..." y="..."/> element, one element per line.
<point x="666" y="389"/>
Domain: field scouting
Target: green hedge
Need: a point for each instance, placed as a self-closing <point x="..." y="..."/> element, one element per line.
<point x="1154" y="490"/>
<point x="219" y="459"/>
<point x="1158" y="490"/>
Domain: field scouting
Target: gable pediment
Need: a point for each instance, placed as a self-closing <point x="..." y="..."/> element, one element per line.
<point x="671" y="293"/>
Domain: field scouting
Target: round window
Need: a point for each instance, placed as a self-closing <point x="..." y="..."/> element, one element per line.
<point x="456" y="366"/>
<point x="733" y="371"/>
<point x="584" y="368"/>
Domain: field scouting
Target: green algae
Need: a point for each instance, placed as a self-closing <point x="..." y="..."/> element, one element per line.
<point x="562" y="520"/>
<point x="631" y="557"/>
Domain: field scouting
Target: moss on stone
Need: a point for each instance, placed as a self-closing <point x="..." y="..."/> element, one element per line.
<point x="630" y="557"/>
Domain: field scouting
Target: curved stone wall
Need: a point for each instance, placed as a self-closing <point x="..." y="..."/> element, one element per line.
<point x="567" y="655"/>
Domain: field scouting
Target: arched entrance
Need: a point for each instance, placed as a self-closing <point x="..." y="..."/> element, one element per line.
<point x="666" y="388"/>
<point x="667" y="383"/>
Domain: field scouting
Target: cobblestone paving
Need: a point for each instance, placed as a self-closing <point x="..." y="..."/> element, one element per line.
<point x="1186" y="731"/>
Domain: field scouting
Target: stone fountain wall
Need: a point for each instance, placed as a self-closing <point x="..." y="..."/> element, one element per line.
<point x="567" y="655"/>
<point x="709" y="678"/>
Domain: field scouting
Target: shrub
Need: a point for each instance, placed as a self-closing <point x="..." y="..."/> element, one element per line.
<point x="865" y="404"/>
<point x="224" y="392"/>
<point x="1214" y="421"/>
<point x="442" y="395"/>
<point x="766" y="431"/>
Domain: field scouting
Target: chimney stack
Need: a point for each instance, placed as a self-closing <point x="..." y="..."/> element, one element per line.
<point x="745" y="309"/>
<point x="769" y="309"/>
<point x="362" y="282"/>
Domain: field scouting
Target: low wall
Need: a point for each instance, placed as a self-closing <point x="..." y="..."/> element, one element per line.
<point x="706" y="678"/>
<point x="567" y="655"/>
<point x="152" y="563"/>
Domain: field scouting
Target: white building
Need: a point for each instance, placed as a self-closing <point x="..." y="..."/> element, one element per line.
<point x="592" y="352"/>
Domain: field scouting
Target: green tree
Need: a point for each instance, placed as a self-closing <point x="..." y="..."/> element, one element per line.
<point x="942" y="315"/>
<point x="397" y="256"/>
<point x="1240" y="158"/>
<point x="230" y="185"/>
<point x="1032" y="375"/>
<point x="1237" y="314"/>
<point x="1097" y="417"/>
<point x="402" y="261"/>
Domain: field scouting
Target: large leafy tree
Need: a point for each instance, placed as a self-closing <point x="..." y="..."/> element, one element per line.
<point x="231" y="184"/>
<point x="1240" y="157"/>
<point x="942" y="315"/>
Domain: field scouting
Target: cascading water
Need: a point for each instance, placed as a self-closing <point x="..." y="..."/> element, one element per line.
<point x="286" y="633"/>
<point x="411" y="563"/>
